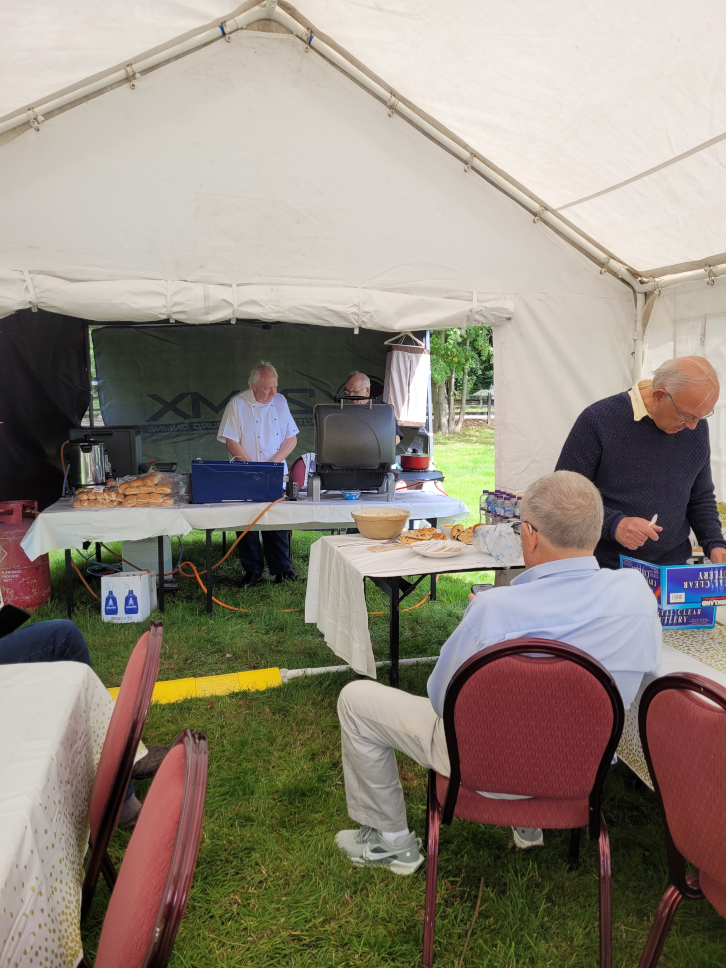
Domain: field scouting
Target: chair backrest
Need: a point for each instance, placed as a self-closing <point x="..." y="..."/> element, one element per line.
<point x="532" y="717"/>
<point x="151" y="892"/>
<point x="118" y="752"/>
<point x="682" y="721"/>
<point x="124" y="733"/>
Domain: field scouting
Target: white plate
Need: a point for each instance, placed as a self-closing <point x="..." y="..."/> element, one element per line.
<point x="438" y="548"/>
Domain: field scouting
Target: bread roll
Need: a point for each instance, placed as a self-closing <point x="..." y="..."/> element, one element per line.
<point x="154" y="498"/>
<point x="167" y="501"/>
<point x="130" y="501"/>
<point x="163" y="489"/>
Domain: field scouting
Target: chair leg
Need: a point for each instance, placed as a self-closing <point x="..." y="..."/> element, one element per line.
<point x="433" y="823"/>
<point x="661" y="926"/>
<point x="606" y="928"/>
<point x="108" y="871"/>
<point x="573" y="860"/>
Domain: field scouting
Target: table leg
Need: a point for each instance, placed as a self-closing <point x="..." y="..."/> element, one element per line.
<point x="69" y="583"/>
<point x="161" y="572"/>
<point x="99" y="556"/>
<point x="394" y="630"/>
<point x="208" y="576"/>
<point x="432" y="595"/>
<point x="224" y="543"/>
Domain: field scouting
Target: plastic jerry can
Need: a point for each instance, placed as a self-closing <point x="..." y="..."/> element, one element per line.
<point x="110" y="606"/>
<point x="131" y="603"/>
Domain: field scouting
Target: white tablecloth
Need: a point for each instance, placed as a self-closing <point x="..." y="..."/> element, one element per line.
<point x="53" y="720"/>
<point x="702" y="652"/>
<point x="335" y="598"/>
<point x="63" y="526"/>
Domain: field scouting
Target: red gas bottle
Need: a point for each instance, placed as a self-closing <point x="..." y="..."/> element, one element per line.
<point x="23" y="582"/>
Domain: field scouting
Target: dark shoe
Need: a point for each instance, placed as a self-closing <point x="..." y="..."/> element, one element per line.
<point x="252" y="581"/>
<point x="147" y="766"/>
<point x="286" y="576"/>
<point x="130" y="812"/>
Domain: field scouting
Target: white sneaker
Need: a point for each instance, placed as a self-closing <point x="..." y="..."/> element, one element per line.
<point x="526" y="837"/>
<point x="366" y="847"/>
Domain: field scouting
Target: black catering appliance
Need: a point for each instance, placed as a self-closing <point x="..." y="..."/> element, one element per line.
<point x="355" y="445"/>
<point x="122" y="446"/>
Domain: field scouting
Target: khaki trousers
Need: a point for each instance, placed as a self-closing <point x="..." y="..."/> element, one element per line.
<point x="375" y="721"/>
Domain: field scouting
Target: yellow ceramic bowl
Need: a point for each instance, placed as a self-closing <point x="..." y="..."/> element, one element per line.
<point x="381" y="523"/>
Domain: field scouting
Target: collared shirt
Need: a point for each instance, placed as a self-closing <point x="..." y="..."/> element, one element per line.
<point x="611" y="615"/>
<point x="636" y="398"/>
<point x="261" y="428"/>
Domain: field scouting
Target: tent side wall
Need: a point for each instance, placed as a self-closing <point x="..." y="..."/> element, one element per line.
<point x="251" y="179"/>
<point x="691" y="320"/>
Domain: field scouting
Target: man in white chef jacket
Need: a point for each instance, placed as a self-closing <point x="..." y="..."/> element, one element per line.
<point x="257" y="426"/>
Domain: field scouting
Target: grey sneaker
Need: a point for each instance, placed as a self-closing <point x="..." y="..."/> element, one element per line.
<point x="401" y="860"/>
<point x="366" y="848"/>
<point x="526" y="837"/>
<point x="353" y="842"/>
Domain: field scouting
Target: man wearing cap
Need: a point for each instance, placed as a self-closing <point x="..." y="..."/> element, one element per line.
<point x="648" y="452"/>
<point x="257" y="426"/>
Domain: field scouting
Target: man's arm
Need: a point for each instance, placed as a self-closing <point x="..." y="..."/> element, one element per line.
<point x="582" y="453"/>
<point x="703" y="517"/>
<point x="235" y="448"/>
<point x="288" y="446"/>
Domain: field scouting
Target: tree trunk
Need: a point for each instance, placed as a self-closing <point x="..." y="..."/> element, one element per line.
<point x="452" y="405"/>
<point x="442" y="419"/>
<point x="436" y="402"/>
<point x="464" y="388"/>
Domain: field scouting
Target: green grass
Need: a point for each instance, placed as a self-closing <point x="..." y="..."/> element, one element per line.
<point x="270" y="887"/>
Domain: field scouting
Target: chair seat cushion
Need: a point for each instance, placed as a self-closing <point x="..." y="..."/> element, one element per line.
<point x="536" y="812"/>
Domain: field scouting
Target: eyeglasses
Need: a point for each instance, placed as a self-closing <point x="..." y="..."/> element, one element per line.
<point x="687" y="419"/>
<point x="517" y="528"/>
<point x="355" y="393"/>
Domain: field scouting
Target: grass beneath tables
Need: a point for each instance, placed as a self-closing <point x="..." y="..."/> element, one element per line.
<point x="270" y="887"/>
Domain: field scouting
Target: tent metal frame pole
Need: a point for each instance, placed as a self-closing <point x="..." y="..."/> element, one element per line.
<point x="90" y="372"/>
<point x="429" y="407"/>
<point x="638" y="337"/>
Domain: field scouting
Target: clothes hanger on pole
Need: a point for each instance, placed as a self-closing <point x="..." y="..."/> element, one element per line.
<point x="398" y="340"/>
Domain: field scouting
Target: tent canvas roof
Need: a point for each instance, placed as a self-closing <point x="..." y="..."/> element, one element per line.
<point x="612" y="115"/>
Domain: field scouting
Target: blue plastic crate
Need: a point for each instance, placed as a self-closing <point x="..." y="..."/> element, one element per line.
<point x="219" y="481"/>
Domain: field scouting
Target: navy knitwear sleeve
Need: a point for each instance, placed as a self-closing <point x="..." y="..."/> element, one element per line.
<point x="640" y="471"/>
<point x="582" y="453"/>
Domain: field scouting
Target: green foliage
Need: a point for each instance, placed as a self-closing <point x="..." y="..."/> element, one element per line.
<point x="451" y="354"/>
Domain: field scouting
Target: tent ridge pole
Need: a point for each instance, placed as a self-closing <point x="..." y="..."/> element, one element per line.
<point x="638" y="337"/>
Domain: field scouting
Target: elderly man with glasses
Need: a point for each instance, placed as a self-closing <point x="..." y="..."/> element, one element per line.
<point x="648" y="453"/>
<point x="564" y="595"/>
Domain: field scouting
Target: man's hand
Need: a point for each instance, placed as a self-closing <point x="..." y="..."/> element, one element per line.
<point x="632" y="533"/>
<point x="717" y="556"/>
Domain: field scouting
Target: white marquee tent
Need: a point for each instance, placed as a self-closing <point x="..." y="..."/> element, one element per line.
<point x="556" y="171"/>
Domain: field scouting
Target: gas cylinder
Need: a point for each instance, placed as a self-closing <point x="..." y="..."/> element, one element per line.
<point x="23" y="582"/>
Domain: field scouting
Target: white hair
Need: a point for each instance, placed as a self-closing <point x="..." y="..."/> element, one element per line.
<point x="673" y="377"/>
<point x="257" y="371"/>
<point x="566" y="508"/>
<point x="366" y="380"/>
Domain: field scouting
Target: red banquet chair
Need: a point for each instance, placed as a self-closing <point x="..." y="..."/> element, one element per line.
<point x="545" y="724"/>
<point x="117" y="757"/>
<point x="152" y="888"/>
<point x="682" y="722"/>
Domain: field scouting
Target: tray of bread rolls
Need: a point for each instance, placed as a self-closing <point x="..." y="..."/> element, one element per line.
<point x="144" y="491"/>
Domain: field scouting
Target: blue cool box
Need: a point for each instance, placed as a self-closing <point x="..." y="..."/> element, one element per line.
<point x="217" y="481"/>
<point x="687" y="595"/>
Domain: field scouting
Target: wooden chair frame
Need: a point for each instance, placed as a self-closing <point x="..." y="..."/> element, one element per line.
<point x="436" y="814"/>
<point x="99" y="862"/>
<point x="682" y="885"/>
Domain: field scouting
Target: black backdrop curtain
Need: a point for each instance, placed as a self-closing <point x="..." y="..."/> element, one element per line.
<point x="45" y="390"/>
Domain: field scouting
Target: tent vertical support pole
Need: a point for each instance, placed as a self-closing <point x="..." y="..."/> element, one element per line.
<point x="638" y="337"/>
<point x="90" y="372"/>
<point x="429" y="408"/>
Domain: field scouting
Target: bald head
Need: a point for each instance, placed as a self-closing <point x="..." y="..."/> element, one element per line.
<point x="684" y="391"/>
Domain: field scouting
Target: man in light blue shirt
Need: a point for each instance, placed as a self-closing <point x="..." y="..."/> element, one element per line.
<point x="563" y="595"/>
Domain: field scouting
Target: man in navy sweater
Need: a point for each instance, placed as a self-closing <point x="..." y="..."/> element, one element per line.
<point x="648" y="452"/>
